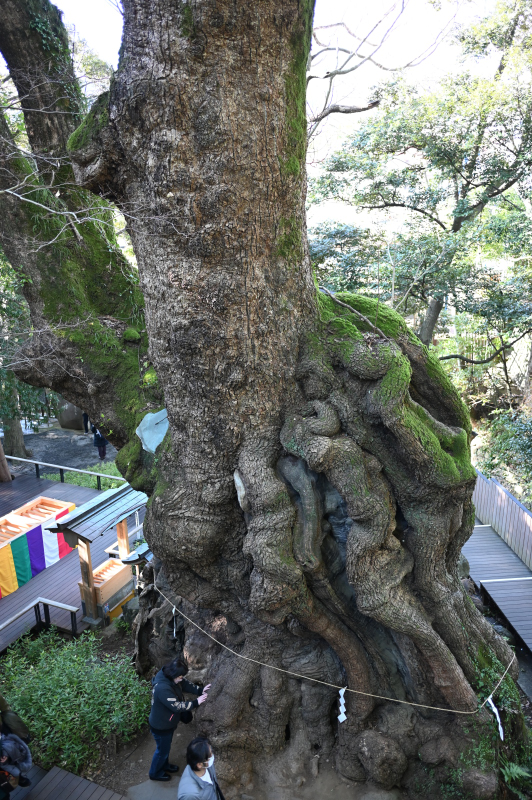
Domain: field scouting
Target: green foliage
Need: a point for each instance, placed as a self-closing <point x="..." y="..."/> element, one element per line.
<point x="488" y="672"/>
<point x="72" y="696"/>
<point x="80" y="479"/>
<point x="517" y="777"/>
<point x="346" y="258"/>
<point x="508" y="447"/>
<point x="445" y="157"/>
<point x="122" y="626"/>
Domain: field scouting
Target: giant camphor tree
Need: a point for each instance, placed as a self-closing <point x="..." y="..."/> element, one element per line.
<point x="313" y="492"/>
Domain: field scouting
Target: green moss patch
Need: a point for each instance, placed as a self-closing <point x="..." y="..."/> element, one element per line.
<point x="94" y="122"/>
<point x="296" y="92"/>
<point x="131" y="335"/>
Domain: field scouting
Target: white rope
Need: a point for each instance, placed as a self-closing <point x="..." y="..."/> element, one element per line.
<point x="333" y="685"/>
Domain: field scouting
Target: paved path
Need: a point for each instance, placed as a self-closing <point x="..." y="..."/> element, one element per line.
<point x="503" y="576"/>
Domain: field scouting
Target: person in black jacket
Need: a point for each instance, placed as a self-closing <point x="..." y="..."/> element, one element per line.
<point x="100" y="442"/>
<point x="168" y="708"/>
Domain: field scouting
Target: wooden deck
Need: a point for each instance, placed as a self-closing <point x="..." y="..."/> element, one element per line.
<point x="60" y="785"/>
<point x="504" y="577"/>
<point x="60" y="581"/>
<point x="25" y="487"/>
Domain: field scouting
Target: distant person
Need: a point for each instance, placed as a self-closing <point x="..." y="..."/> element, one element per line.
<point x="198" y="781"/>
<point x="168" y="708"/>
<point x="85" y="422"/>
<point x="16" y="758"/>
<point x="100" y="442"/>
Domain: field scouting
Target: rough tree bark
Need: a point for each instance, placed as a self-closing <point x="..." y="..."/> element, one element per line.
<point x="14" y="439"/>
<point x="312" y="496"/>
<point x="5" y="474"/>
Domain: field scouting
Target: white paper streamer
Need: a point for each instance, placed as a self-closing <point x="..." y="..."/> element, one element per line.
<point x="496" y="712"/>
<point x="341" y="716"/>
<point x="173" y="612"/>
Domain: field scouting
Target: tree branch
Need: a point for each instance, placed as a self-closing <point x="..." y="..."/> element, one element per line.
<point x="337" y="109"/>
<point x="486" y="360"/>
<point x="412" y="208"/>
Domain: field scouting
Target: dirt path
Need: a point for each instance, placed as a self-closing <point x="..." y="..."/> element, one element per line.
<point x="126" y="771"/>
<point x="60" y="446"/>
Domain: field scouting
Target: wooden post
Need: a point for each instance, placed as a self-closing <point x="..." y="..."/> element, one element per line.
<point x="123" y="539"/>
<point x="88" y="592"/>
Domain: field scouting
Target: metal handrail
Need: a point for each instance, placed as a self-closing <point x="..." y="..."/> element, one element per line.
<point x="62" y="468"/>
<point x="46" y="605"/>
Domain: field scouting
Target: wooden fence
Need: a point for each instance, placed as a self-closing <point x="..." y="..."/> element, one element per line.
<point x="495" y="506"/>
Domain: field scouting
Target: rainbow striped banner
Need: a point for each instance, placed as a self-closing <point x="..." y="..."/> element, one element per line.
<point x="25" y="553"/>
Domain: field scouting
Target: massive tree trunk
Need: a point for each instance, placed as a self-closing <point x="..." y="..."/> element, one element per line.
<point x="314" y="490"/>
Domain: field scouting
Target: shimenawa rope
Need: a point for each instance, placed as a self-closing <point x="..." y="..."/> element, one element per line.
<point x="333" y="685"/>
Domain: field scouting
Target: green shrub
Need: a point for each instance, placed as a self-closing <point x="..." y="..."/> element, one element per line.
<point x="80" y="479"/>
<point x="122" y="626"/>
<point x="72" y="697"/>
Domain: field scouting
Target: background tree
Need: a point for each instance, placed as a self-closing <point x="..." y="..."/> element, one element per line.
<point x="311" y="497"/>
<point x="447" y="154"/>
<point x="18" y="400"/>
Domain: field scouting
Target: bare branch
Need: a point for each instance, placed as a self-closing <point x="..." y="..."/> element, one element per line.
<point x="337" y="109"/>
<point x="486" y="360"/>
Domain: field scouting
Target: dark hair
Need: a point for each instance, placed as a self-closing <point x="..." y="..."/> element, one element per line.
<point x="175" y="669"/>
<point x="198" y="751"/>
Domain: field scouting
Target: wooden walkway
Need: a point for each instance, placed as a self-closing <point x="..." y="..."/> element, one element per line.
<point x="60" y="581"/>
<point x="25" y="487"/>
<point x="60" y="785"/>
<point x="503" y="576"/>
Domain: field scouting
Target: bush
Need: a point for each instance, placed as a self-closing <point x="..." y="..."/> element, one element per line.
<point x="510" y="444"/>
<point x="72" y="697"/>
<point x="79" y="479"/>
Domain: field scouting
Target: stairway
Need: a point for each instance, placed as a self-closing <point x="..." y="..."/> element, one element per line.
<point x="60" y="785"/>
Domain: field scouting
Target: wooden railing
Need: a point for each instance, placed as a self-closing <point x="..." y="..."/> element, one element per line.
<point x="495" y="506"/>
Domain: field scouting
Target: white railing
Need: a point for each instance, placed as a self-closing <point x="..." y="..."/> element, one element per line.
<point x="495" y="506"/>
<point x="46" y="605"/>
<point x="62" y="469"/>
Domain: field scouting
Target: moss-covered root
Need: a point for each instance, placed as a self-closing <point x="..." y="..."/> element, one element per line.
<point x="376" y="562"/>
